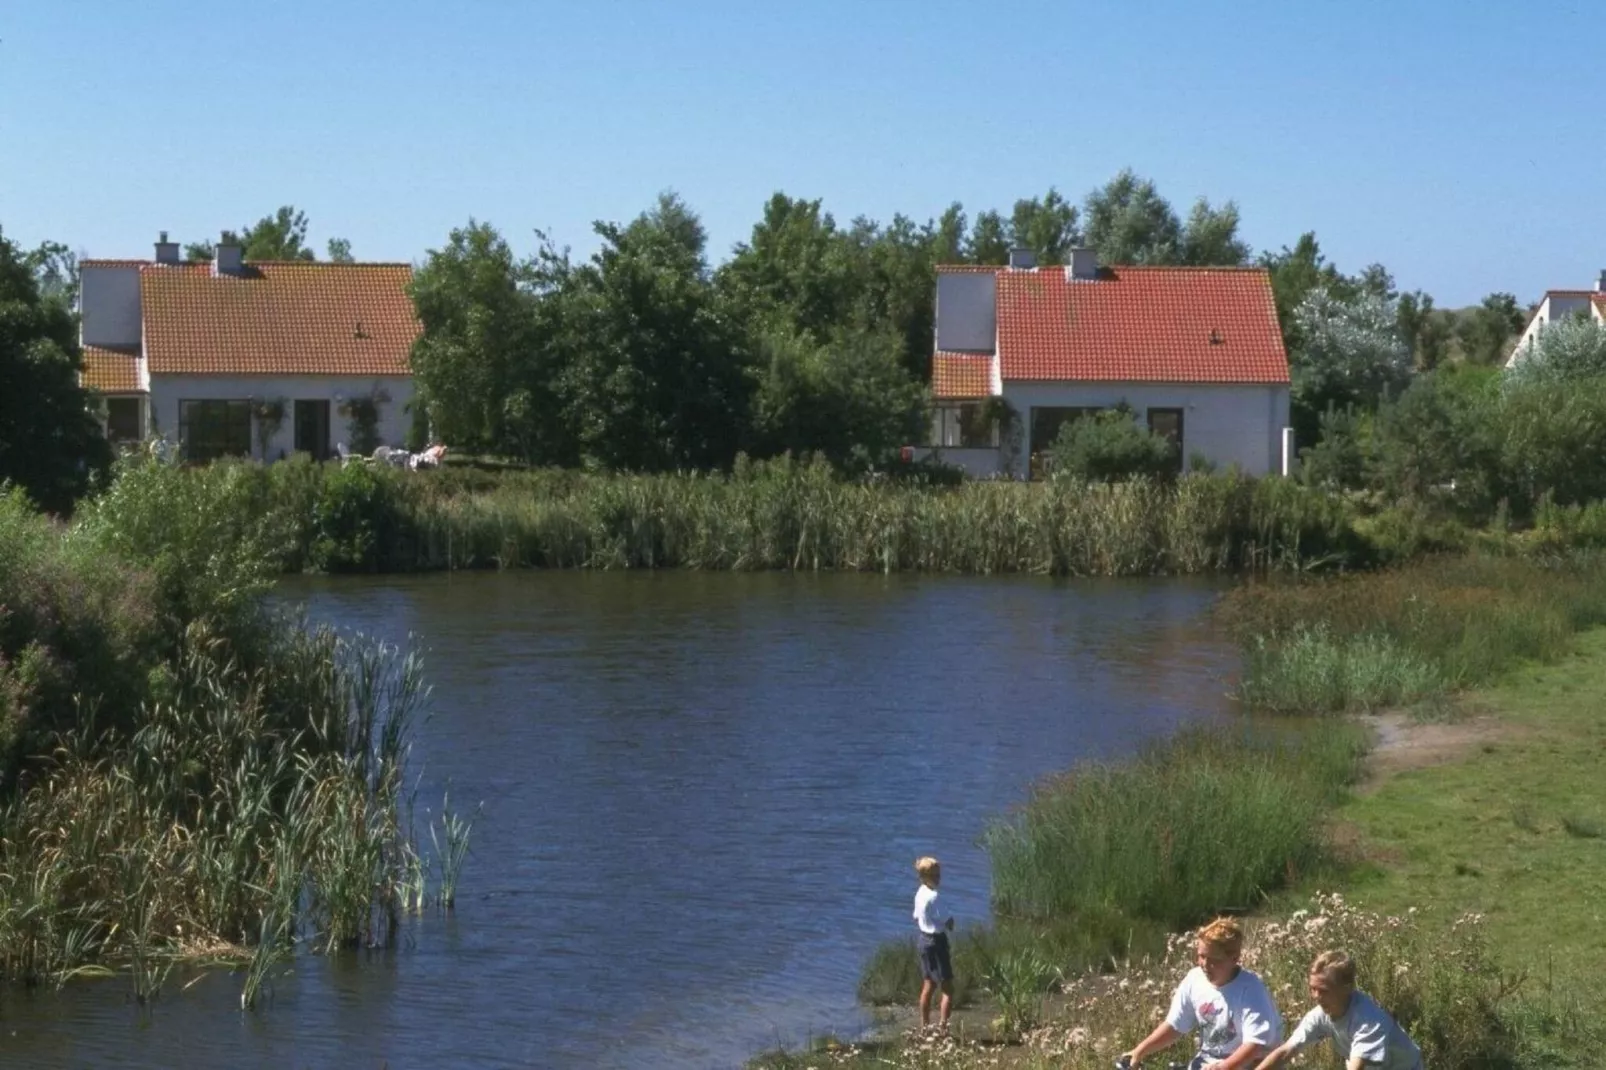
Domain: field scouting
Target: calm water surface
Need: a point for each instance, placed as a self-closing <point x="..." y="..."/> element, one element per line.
<point x="702" y="796"/>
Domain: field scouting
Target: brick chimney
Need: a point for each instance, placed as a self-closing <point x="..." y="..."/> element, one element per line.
<point x="166" y="251"/>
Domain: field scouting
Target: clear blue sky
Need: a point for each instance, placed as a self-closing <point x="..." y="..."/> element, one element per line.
<point x="1460" y="144"/>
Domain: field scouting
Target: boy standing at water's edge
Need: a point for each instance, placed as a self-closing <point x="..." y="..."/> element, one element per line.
<point x="936" y="965"/>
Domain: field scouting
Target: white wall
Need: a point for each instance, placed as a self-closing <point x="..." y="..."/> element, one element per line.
<point x="967" y="313"/>
<point x="108" y="300"/>
<point x="1239" y="425"/>
<point x="394" y="422"/>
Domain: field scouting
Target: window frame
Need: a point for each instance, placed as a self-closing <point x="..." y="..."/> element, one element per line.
<point x="225" y="427"/>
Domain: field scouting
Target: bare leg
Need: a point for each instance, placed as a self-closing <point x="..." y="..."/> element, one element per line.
<point x="946" y="1005"/>
<point x="925" y="1002"/>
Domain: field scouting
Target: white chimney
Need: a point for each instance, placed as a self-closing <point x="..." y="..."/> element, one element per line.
<point x="1022" y="259"/>
<point x="1083" y="265"/>
<point x="166" y="251"/>
<point x="228" y="259"/>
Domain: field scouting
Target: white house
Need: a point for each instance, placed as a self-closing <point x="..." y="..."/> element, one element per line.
<point x="1558" y="305"/>
<point x="1196" y="352"/>
<point x="256" y="359"/>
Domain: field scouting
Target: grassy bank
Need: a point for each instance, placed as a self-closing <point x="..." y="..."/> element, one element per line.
<point x="1117" y="854"/>
<point x="1405" y="635"/>
<point x="184" y="777"/>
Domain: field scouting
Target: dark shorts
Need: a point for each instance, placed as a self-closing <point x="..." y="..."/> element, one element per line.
<point x="935" y="965"/>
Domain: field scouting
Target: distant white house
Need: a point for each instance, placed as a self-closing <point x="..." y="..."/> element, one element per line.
<point x="247" y="358"/>
<point x="1197" y="353"/>
<point x="1558" y="305"/>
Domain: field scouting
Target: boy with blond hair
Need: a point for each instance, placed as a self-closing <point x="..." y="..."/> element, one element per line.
<point x="1364" y="1034"/>
<point x="1229" y="1005"/>
<point x="936" y="964"/>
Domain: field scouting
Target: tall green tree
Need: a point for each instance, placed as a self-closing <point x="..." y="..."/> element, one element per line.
<point x="1426" y="330"/>
<point x="1487" y="331"/>
<point x="1128" y="222"/>
<point x="1295" y="273"/>
<point x="55" y="269"/>
<point x="1210" y="236"/>
<point x="50" y="444"/>
<point x="480" y="365"/>
<point x="656" y="375"/>
<point x="796" y="272"/>
<point x="849" y="399"/>
<point x="1047" y="226"/>
<point x="989" y="240"/>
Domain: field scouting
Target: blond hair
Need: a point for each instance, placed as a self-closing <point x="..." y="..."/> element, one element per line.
<point x="1225" y="935"/>
<point x="1334" y="967"/>
<point x="927" y="867"/>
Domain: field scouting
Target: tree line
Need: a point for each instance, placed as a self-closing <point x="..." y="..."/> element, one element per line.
<point x="813" y="336"/>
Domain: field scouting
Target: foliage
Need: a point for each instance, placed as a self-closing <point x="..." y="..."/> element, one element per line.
<point x="1486" y="332"/>
<point x="1109" y="446"/>
<point x="1349" y="353"/>
<point x="1341" y="458"/>
<point x="1565" y="351"/>
<point x="1153" y="839"/>
<point x="50" y="443"/>
<point x="654" y="368"/>
<point x="847" y="398"/>
<point x="1362" y="641"/>
<point x="279" y="236"/>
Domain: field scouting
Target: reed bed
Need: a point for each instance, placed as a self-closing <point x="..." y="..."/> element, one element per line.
<point x="780" y="514"/>
<point x="187" y="777"/>
<point x="1402" y="635"/>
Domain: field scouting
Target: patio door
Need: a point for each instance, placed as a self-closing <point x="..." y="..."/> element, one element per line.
<point x="312" y="428"/>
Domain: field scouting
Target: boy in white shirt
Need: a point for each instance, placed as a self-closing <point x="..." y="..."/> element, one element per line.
<point x="1229" y="1005"/>
<point x="936" y="965"/>
<point x="1364" y="1034"/>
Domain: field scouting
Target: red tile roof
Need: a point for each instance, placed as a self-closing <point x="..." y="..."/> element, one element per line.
<point x="290" y="318"/>
<point x="961" y="375"/>
<point x="1140" y="324"/>
<point x="109" y="370"/>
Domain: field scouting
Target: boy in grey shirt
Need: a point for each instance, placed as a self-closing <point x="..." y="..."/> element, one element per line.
<point x="1364" y="1034"/>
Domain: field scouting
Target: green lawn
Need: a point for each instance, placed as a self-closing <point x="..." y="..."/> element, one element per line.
<point x="1512" y="829"/>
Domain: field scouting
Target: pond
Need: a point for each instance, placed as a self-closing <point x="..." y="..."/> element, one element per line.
<point x="702" y="797"/>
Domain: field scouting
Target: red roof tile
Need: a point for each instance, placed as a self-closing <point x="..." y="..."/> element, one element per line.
<point x="961" y="375"/>
<point x="110" y="370"/>
<point x="1140" y="324"/>
<point x="289" y="318"/>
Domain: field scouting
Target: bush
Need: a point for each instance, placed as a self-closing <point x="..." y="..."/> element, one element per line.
<point x="1109" y="446"/>
<point x="356" y="521"/>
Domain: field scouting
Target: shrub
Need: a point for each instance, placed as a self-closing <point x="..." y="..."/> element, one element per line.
<point x="1109" y="446"/>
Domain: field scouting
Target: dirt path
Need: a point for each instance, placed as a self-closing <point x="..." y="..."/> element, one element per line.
<point x="1404" y="743"/>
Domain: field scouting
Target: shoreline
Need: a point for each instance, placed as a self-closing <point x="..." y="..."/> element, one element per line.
<point x="1423" y="757"/>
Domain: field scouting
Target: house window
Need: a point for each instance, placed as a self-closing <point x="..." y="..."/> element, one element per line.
<point x="122" y="419"/>
<point x="211" y="429"/>
<point x="1167" y="423"/>
<point x="963" y="426"/>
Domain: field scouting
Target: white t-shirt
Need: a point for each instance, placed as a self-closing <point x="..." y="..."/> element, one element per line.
<point x="928" y="915"/>
<point x="1365" y="1031"/>
<point x="1239" y="1012"/>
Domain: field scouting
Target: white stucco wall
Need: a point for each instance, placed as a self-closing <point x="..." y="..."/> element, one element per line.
<point x="967" y="314"/>
<point x="108" y="300"/>
<point x="394" y="421"/>
<point x="1230" y="425"/>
